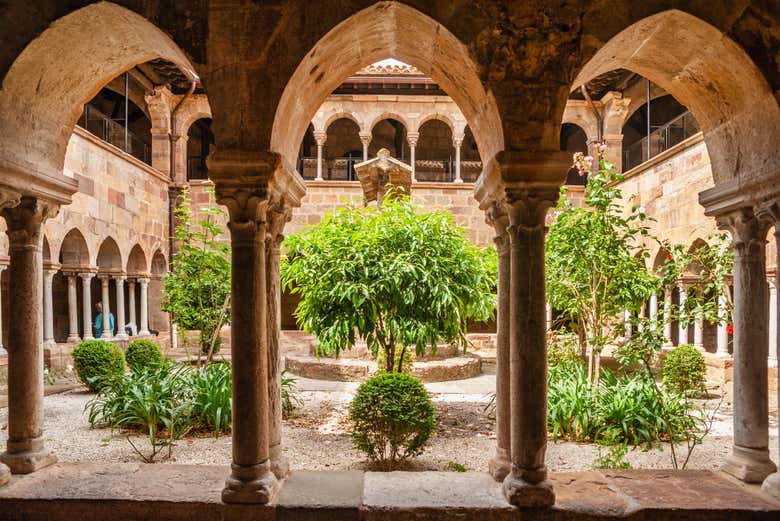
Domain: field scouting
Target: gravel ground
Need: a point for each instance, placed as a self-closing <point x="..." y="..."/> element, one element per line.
<point x="317" y="438"/>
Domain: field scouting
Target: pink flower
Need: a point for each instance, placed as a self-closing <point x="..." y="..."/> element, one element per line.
<point x="601" y="147"/>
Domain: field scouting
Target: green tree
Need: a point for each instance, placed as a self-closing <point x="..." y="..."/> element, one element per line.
<point x="595" y="260"/>
<point x="197" y="290"/>
<point x="394" y="276"/>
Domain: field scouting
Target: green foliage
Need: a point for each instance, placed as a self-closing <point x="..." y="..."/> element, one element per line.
<point x="392" y="275"/>
<point x="562" y="349"/>
<point x="456" y="467"/>
<point x="212" y="395"/>
<point x="612" y="456"/>
<point x="290" y="398"/>
<point x="197" y="289"/>
<point x="626" y="410"/>
<point x="400" y="365"/>
<point x="595" y="260"/>
<point x="684" y="370"/>
<point x="143" y="353"/>
<point x="393" y="418"/>
<point x="97" y="361"/>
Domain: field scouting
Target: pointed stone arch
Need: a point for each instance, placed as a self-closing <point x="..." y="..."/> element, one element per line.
<point x="74" y="252"/>
<point x="136" y="262"/>
<point x="109" y="257"/>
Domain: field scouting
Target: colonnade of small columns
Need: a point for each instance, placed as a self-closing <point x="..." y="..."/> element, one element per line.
<point x="321" y="136"/>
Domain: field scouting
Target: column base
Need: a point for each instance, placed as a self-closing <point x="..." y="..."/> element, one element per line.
<point x="90" y="337"/>
<point x="25" y="457"/>
<point x="749" y="465"/>
<point x="500" y="465"/>
<point x="73" y="339"/>
<point x="252" y="484"/>
<point x="122" y="336"/>
<point x="458" y="181"/>
<point x="772" y="485"/>
<point x="524" y="494"/>
<point x="144" y="333"/>
<point x="280" y="467"/>
<point x="5" y="474"/>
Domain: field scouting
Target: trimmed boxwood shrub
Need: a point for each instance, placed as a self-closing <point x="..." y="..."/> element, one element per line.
<point x="684" y="370"/>
<point x="143" y="353"/>
<point x="97" y="361"/>
<point x="393" y="418"/>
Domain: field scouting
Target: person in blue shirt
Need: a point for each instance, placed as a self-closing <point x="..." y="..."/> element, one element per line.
<point x="98" y="325"/>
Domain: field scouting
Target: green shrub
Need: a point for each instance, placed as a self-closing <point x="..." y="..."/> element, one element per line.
<point x="97" y="361"/>
<point x="393" y="418"/>
<point x="562" y="349"/>
<point x="143" y="353"/>
<point x="290" y="398"/>
<point x="684" y="370"/>
<point x="212" y="398"/>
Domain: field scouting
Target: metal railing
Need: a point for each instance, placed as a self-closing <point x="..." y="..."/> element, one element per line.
<point x="102" y="126"/>
<point x="661" y="139"/>
<point x="426" y="170"/>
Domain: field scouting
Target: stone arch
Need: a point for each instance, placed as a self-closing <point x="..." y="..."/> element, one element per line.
<point x="332" y="118"/>
<point x="574" y="139"/>
<point x="64" y="67"/>
<point x="74" y="251"/>
<point x="159" y="263"/>
<point x="694" y="269"/>
<point x="581" y="116"/>
<point x="432" y="146"/>
<point x="158" y="319"/>
<point x="389" y="115"/>
<point x="440" y="117"/>
<point x="709" y="73"/>
<point x="377" y="32"/>
<point x="197" y="107"/>
<point x="136" y="261"/>
<point x="343" y="138"/>
<point x="46" y="249"/>
<point x="109" y="257"/>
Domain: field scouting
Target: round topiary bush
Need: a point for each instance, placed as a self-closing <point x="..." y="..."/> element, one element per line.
<point x="143" y="353"/>
<point x="393" y="418"/>
<point x="684" y="369"/>
<point x="97" y="361"/>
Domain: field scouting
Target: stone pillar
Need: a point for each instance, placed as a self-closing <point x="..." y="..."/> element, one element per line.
<point x="653" y="307"/>
<point x="86" y="298"/>
<point x="320" y="137"/>
<point x="456" y="143"/>
<point x="527" y="484"/>
<point x="698" y="329"/>
<point x="2" y="348"/>
<point x="365" y="139"/>
<point x="548" y="316"/>
<point x="106" y="303"/>
<point x="251" y="479"/>
<point x="501" y="463"/>
<point x="131" y="301"/>
<point x="143" y="327"/>
<point x="159" y="102"/>
<point x="749" y="459"/>
<point x="73" y="312"/>
<point x="278" y="216"/>
<point x="723" y="334"/>
<point x="667" y="317"/>
<point x="48" y="306"/>
<point x="772" y="324"/>
<point x="627" y="322"/>
<point x="682" y="337"/>
<point x="25" y="450"/>
<point x="119" y="281"/>
<point x="412" y="138"/>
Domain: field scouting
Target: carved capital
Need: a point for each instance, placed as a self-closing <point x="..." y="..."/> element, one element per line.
<point x="279" y="215"/>
<point x="247" y="208"/>
<point x="457" y="141"/>
<point x="24" y="221"/>
<point x="496" y="216"/>
<point x="365" y="138"/>
<point x="527" y="206"/>
<point x="320" y="136"/>
<point x="412" y="138"/>
<point x="9" y="198"/>
<point x="748" y="231"/>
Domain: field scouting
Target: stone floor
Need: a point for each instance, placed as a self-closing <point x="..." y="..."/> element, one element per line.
<point x="84" y="491"/>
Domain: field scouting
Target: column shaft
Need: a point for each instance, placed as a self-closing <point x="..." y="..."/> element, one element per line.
<point x="143" y="328"/>
<point x="120" y="307"/>
<point x="48" y="307"/>
<point x="2" y="349"/>
<point x="772" y="483"/>
<point x="457" y="144"/>
<point x="279" y="464"/>
<point x="86" y="290"/>
<point x="723" y="335"/>
<point x="682" y="315"/>
<point x="106" y="303"/>
<point x="667" y="317"/>
<point x="73" y="312"/>
<point x="131" y="301"/>
<point x="25" y="451"/>
<point x="772" y="324"/>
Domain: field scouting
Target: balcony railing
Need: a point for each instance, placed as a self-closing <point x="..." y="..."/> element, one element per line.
<point x="112" y="132"/>
<point x="661" y="139"/>
<point x="426" y="170"/>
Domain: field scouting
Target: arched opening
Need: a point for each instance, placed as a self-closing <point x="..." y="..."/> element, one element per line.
<point x="342" y="150"/>
<point x="74" y="252"/>
<point x="158" y="319"/>
<point x="200" y="138"/>
<point x="574" y="139"/>
<point x="109" y="264"/>
<point x="389" y="133"/>
<point x="434" y="152"/>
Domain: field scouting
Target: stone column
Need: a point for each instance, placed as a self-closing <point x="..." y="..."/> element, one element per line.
<point x="527" y="484"/>
<point x="131" y="301"/>
<point x="457" y="142"/>
<point x="501" y="463"/>
<point x="749" y="459"/>
<point x="723" y="334"/>
<point x="73" y="312"/>
<point x="48" y="306"/>
<point x="412" y="138"/>
<point x="682" y="337"/>
<point x="365" y="139"/>
<point x="278" y="216"/>
<point x="698" y="329"/>
<point x="251" y="479"/>
<point x="667" y="317"/>
<point x="2" y="348"/>
<point x="653" y="307"/>
<point x="772" y="324"/>
<point x="106" y="303"/>
<point x="86" y="297"/>
<point x="25" y="450"/>
<point x="548" y="316"/>
<point x="627" y="322"/>
<point x="143" y="327"/>
<point x="119" y="281"/>
<point x="319" y="137"/>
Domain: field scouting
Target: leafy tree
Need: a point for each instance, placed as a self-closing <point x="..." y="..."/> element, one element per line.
<point x="595" y="260"/>
<point x="392" y="275"/>
<point x="196" y="292"/>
